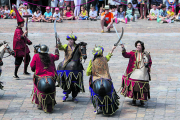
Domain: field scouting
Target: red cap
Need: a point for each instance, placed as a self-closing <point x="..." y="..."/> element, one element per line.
<point x="18" y="16"/>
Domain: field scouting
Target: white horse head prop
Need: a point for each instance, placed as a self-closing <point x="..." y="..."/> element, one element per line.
<point x="4" y="48"/>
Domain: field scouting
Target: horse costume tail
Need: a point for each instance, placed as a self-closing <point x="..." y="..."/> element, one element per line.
<point x="102" y="90"/>
<point x="44" y="93"/>
<point x="104" y="96"/>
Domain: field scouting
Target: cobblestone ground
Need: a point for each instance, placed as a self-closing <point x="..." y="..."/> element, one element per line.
<point x="162" y="40"/>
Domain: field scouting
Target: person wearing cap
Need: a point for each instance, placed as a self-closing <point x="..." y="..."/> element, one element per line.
<point x="135" y="81"/>
<point x="19" y="45"/>
<point x="47" y="17"/>
<point x="43" y="64"/>
<point x="106" y="19"/>
<point x="98" y="70"/>
<point x="57" y="15"/>
<point x="68" y="50"/>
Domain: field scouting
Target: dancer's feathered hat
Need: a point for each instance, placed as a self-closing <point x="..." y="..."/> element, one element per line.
<point x="98" y="50"/>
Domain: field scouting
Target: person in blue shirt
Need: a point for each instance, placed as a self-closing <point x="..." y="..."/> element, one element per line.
<point x="163" y="17"/>
<point x="47" y="17"/>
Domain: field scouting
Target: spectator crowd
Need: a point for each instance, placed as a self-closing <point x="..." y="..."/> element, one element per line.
<point x="115" y="11"/>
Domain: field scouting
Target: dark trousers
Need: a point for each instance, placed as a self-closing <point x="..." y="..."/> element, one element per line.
<point x="73" y="89"/>
<point x="18" y="60"/>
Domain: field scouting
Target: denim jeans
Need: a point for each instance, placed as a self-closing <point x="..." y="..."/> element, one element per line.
<point x="83" y="18"/>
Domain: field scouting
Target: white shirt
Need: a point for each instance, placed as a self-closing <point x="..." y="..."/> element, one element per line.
<point x="171" y="1"/>
<point x="54" y="3"/>
<point x="111" y="2"/>
<point x="155" y="12"/>
<point x="114" y="13"/>
<point x="37" y="15"/>
<point x="93" y="13"/>
<point x="7" y="11"/>
<point x="55" y="15"/>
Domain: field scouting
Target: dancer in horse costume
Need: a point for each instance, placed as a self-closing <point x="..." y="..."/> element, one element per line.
<point x="103" y="94"/>
<point x="135" y="81"/>
<point x="19" y="45"/>
<point x="1" y="64"/>
<point x="70" y="70"/>
<point x="44" y="78"/>
<point x="4" y="48"/>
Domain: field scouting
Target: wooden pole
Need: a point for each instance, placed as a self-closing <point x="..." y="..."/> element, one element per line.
<point x="26" y="16"/>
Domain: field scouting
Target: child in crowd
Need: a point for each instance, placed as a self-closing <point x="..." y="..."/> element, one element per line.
<point x="113" y="11"/>
<point x="68" y="13"/>
<point x="1" y="11"/>
<point x="153" y="13"/>
<point x="47" y="15"/>
<point x="26" y="10"/>
<point x="120" y="15"/>
<point x="57" y="15"/>
<point x="129" y="13"/>
<point x="37" y="16"/>
<point x="171" y="13"/>
<point x="100" y="12"/>
<point x="21" y="8"/>
<point x="178" y="16"/>
<point x="12" y="13"/>
<point x="84" y="14"/>
<point x="61" y="5"/>
<point x="171" y="3"/>
<point x="93" y="14"/>
<point x="6" y="12"/>
<point x="163" y="16"/>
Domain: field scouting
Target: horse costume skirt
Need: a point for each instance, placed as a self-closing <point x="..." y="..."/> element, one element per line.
<point x="1" y="86"/>
<point x="108" y="102"/>
<point x="69" y="78"/>
<point x="44" y="100"/>
<point x="136" y="89"/>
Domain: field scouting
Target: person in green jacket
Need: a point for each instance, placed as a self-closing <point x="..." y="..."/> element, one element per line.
<point x="70" y="70"/>
<point x="101" y="86"/>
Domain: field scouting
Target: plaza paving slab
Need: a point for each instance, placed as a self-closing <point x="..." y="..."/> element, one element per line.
<point x="161" y="40"/>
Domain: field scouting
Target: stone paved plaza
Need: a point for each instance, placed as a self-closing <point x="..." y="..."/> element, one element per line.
<point x="161" y="40"/>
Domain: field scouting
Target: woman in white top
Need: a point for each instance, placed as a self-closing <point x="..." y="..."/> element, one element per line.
<point x="37" y="15"/>
<point x="54" y="4"/>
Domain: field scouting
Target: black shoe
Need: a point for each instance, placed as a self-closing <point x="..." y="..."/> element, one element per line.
<point x="16" y="77"/>
<point x="38" y="107"/>
<point x="26" y="73"/>
<point x="133" y="102"/>
<point x="142" y="103"/>
<point x="109" y="30"/>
